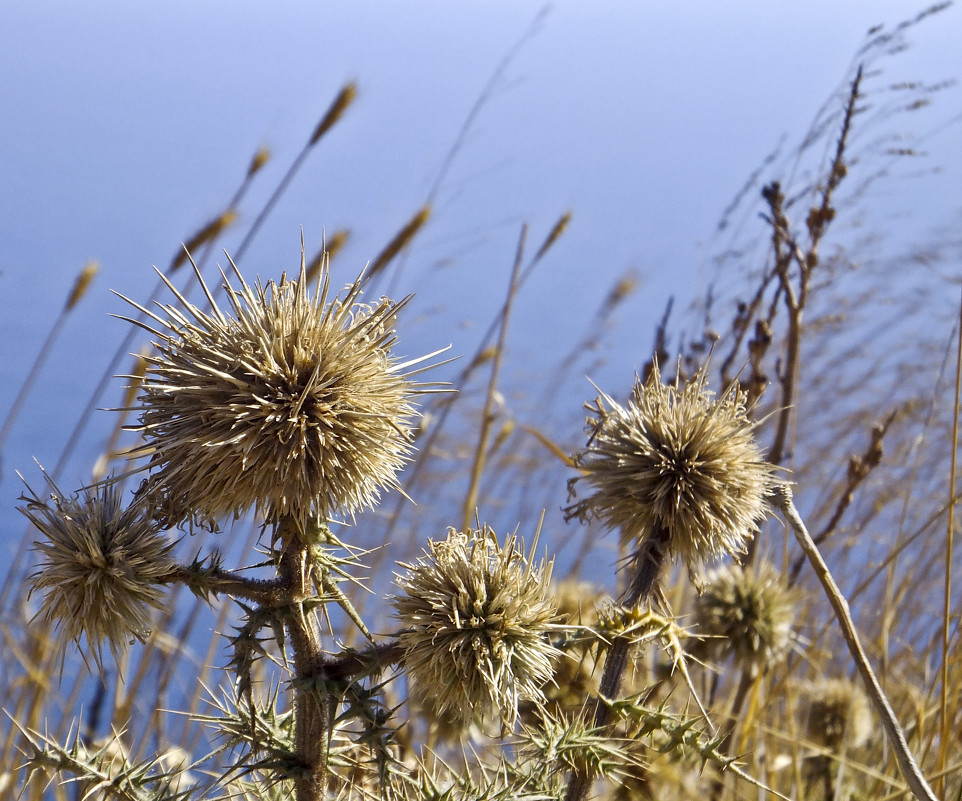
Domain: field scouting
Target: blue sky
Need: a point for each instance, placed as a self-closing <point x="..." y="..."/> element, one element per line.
<point x="125" y="126"/>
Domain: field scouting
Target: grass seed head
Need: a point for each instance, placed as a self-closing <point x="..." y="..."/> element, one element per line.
<point x="674" y="457"/>
<point x="100" y="565"/>
<point x="82" y="284"/>
<point x="475" y="617"/>
<point x="260" y="158"/>
<point x="286" y="403"/>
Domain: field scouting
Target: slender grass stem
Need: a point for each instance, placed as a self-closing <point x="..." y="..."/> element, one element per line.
<point x="745" y="683"/>
<point x="487" y="416"/>
<point x="337" y="108"/>
<point x="949" y="549"/>
<point x="781" y="497"/>
<point x="79" y="288"/>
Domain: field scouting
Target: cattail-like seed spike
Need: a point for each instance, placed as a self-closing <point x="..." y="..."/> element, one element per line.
<point x="344" y="98"/>
<point x="400" y="240"/>
<point x="261" y="157"/>
<point x="209" y="232"/>
<point x="554" y="235"/>
<point x="90" y="269"/>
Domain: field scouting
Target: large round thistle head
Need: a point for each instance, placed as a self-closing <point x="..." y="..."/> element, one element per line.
<point x="748" y="613"/>
<point x="674" y="458"/>
<point x="101" y="566"/>
<point x="288" y="402"/>
<point x="475" y="617"/>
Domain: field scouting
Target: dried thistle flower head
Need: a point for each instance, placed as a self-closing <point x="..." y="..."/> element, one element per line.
<point x="749" y="613"/>
<point x="287" y="403"/>
<point x="838" y="711"/>
<point x="676" y="458"/>
<point x="475" y="617"/>
<point x="100" y="566"/>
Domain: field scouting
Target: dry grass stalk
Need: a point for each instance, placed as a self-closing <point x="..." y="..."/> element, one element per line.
<point x="487" y="416"/>
<point x="82" y="283"/>
<point x="782" y="498"/>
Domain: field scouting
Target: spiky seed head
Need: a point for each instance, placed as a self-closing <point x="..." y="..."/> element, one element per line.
<point x="100" y="566"/>
<point x="475" y="617"/>
<point x="286" y="403"/>
<point x="838" y="711"/>
<point x="748" y="613"/>
<point x="677" y="458"/>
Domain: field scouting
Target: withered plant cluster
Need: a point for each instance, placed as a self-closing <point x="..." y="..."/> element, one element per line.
<point x="338" y="642"/>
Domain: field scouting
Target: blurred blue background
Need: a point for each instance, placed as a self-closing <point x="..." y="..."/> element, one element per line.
<point x="124" y="127"/>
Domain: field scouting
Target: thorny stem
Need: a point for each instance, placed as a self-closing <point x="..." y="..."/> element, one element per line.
<point x="781" y="497"/>
<point x="310" y="715"/>
<point x="649" y="562"/>
<point x="269" y="592"/>
<point x="372" y="659"/>
<point x="293" y="586"/>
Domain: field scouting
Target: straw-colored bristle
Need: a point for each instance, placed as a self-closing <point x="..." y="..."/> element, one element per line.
<point x="332" y="246"/>
<point x="136" y="379"/>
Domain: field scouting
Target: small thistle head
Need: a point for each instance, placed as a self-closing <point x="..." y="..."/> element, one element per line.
<point x="287" y="403"/>
<point x="675" y="458"/>
<point x="838" y="711"/>
<point x="576" y="676"/>
<point x="746" y="613"/>
<point x="475" y="617"/>
<point x="100" y="566"/>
